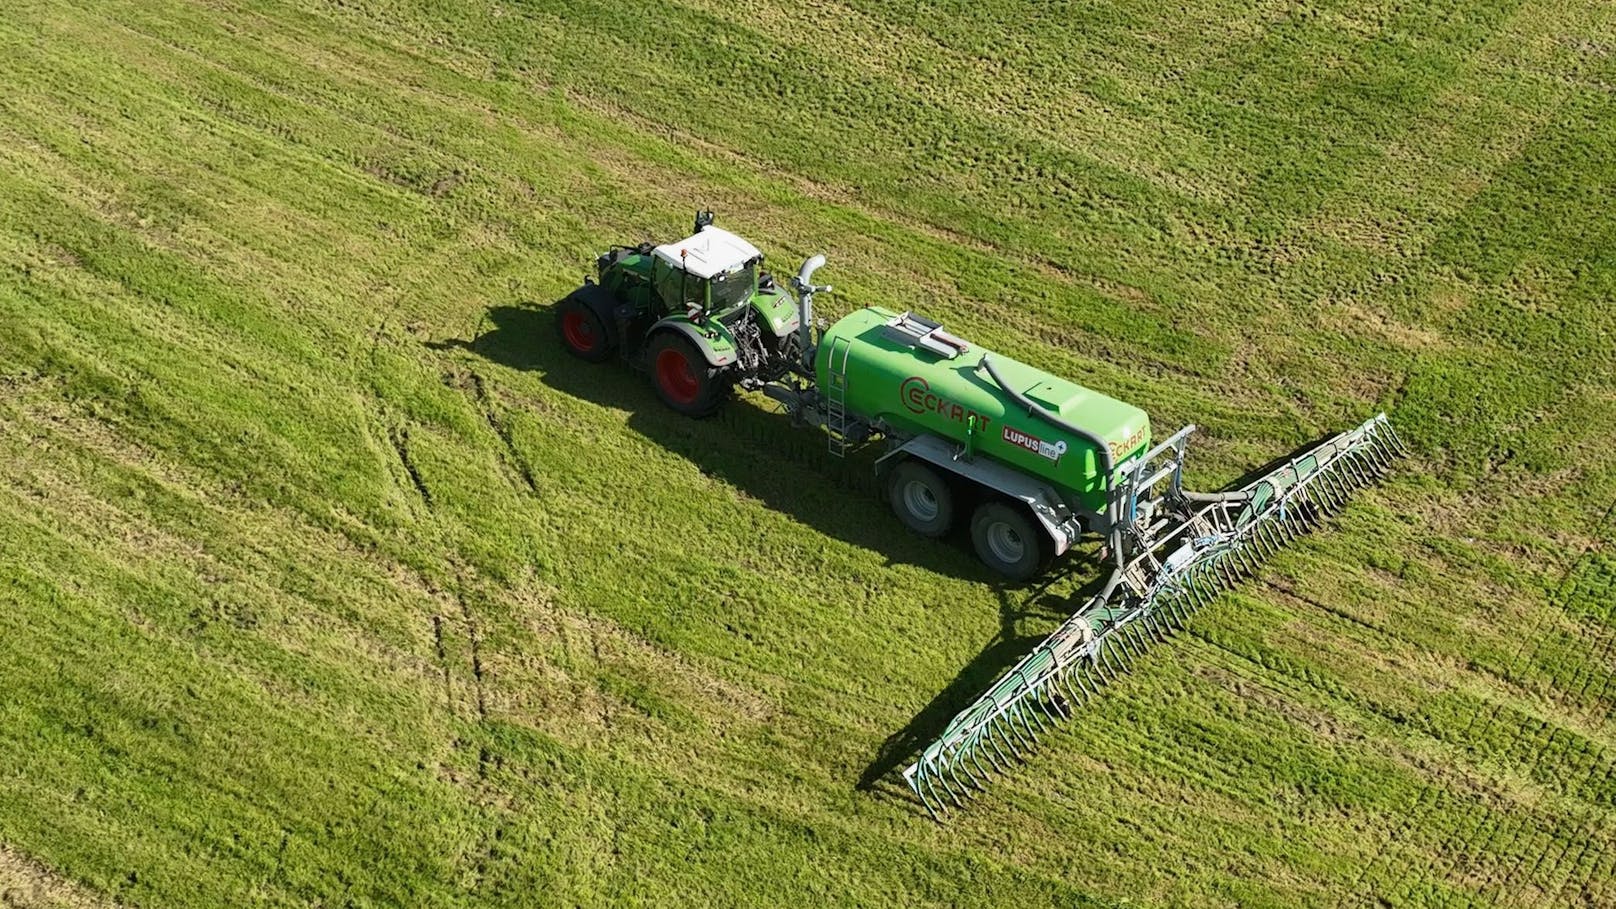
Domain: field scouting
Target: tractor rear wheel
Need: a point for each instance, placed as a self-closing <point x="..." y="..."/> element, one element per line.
<point x="921" y="499"/>
<point x="682" y="376"/>
<point x="1007" y="540"/>
<point x="579" y="323"/>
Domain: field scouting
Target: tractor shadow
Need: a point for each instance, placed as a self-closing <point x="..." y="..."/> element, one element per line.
<point x="748" y="444"/>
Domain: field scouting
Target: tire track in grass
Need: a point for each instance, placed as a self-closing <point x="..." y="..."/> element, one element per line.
<point x="471" y="382"/>
<point x="496" y="806"/>
<point x="502" y="429"/>
<point x="475" y="639"/>
<point x="443" y="661"/>
<point x="277" y="873"/>
<point x="399" y="436"/>
<point x="445" y="619"/>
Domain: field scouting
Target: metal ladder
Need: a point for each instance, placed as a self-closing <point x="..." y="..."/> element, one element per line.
<point x="835" y="397"/>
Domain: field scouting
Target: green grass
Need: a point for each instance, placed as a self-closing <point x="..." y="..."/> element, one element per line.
<point x="325" y="579"/>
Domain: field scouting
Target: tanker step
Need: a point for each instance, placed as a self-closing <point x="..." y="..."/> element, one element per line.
<point x="834" y="394"/>
<point x="843" y="430"/>
<point x="837" y="435"/>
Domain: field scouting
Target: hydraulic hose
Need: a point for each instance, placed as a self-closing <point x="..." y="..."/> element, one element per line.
<point x="1054" y="419"/>
<point x="1050" y="417"/>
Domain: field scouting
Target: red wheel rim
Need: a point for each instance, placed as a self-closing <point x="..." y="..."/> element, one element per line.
<point x="677" y="379"/>
<point x="579" y="332"/>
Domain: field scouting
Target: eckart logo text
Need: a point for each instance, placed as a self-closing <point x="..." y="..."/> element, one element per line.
<point x="918" y="398"/>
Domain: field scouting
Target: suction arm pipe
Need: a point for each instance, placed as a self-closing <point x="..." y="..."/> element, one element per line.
<point x="804" y="286"/>
<point x="1104" y="453"/>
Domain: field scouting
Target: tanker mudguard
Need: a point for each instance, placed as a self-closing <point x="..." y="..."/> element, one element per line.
<point x="719" y="351"/>
<point x="1060" y="522"/>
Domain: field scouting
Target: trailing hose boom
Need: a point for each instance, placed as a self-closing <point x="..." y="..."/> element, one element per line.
<point x="1178" y="551"/>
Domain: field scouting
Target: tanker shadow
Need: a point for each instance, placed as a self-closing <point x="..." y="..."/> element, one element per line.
<point x="789" y="469"/>
<point x="756" y="450"/>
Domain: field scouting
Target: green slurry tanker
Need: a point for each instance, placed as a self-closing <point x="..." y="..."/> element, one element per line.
<point x="1031" y="462"/>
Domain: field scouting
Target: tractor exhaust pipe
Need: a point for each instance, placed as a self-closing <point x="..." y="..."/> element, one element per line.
<point x="805" y="288"/>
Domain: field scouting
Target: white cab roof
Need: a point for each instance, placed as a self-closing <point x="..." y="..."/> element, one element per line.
<point x="710" y="251"/>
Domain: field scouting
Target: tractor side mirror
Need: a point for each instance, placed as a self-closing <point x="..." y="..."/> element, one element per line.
<point x="704" y="218"/>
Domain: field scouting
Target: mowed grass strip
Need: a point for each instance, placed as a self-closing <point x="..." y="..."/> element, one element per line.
<point x="331" y="580"/>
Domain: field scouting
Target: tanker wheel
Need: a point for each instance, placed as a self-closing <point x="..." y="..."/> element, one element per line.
<point x="682" y="377"/>
<point x="921" y="499"/>
<point x="1008" y="541"/>
<point x="581" y="329"/>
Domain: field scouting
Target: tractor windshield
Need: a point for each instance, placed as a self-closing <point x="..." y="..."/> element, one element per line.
<point x="733" y="288"/>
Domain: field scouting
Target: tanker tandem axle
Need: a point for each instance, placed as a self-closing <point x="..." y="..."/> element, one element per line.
<point x="1039" y="460"/>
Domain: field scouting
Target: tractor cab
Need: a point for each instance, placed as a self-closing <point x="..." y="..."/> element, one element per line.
<point x="709" y="273"/>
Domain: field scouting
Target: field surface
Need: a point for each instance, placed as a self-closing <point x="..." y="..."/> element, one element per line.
<point x="325" y="579"/>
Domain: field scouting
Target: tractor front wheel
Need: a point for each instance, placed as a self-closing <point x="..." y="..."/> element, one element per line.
<point x="582" y="330"/>
<point x="921" y="499"/>
<point x="682" y="376"/>
<point x="1007" y="540"/>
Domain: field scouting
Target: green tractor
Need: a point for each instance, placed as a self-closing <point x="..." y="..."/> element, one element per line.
<point x="701" y="315"/>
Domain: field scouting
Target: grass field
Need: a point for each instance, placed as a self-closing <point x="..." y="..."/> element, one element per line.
<point x="325" y="579"/>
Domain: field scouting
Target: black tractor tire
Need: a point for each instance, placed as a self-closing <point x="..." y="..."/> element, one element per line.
<point x="789" y="347"/>
<point x="683" y="378"/>
<point x="583" y="324"/>
<point x="921" y="499"/>
<point x="783" y="354"/>
<point x="1008" y="541"/>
